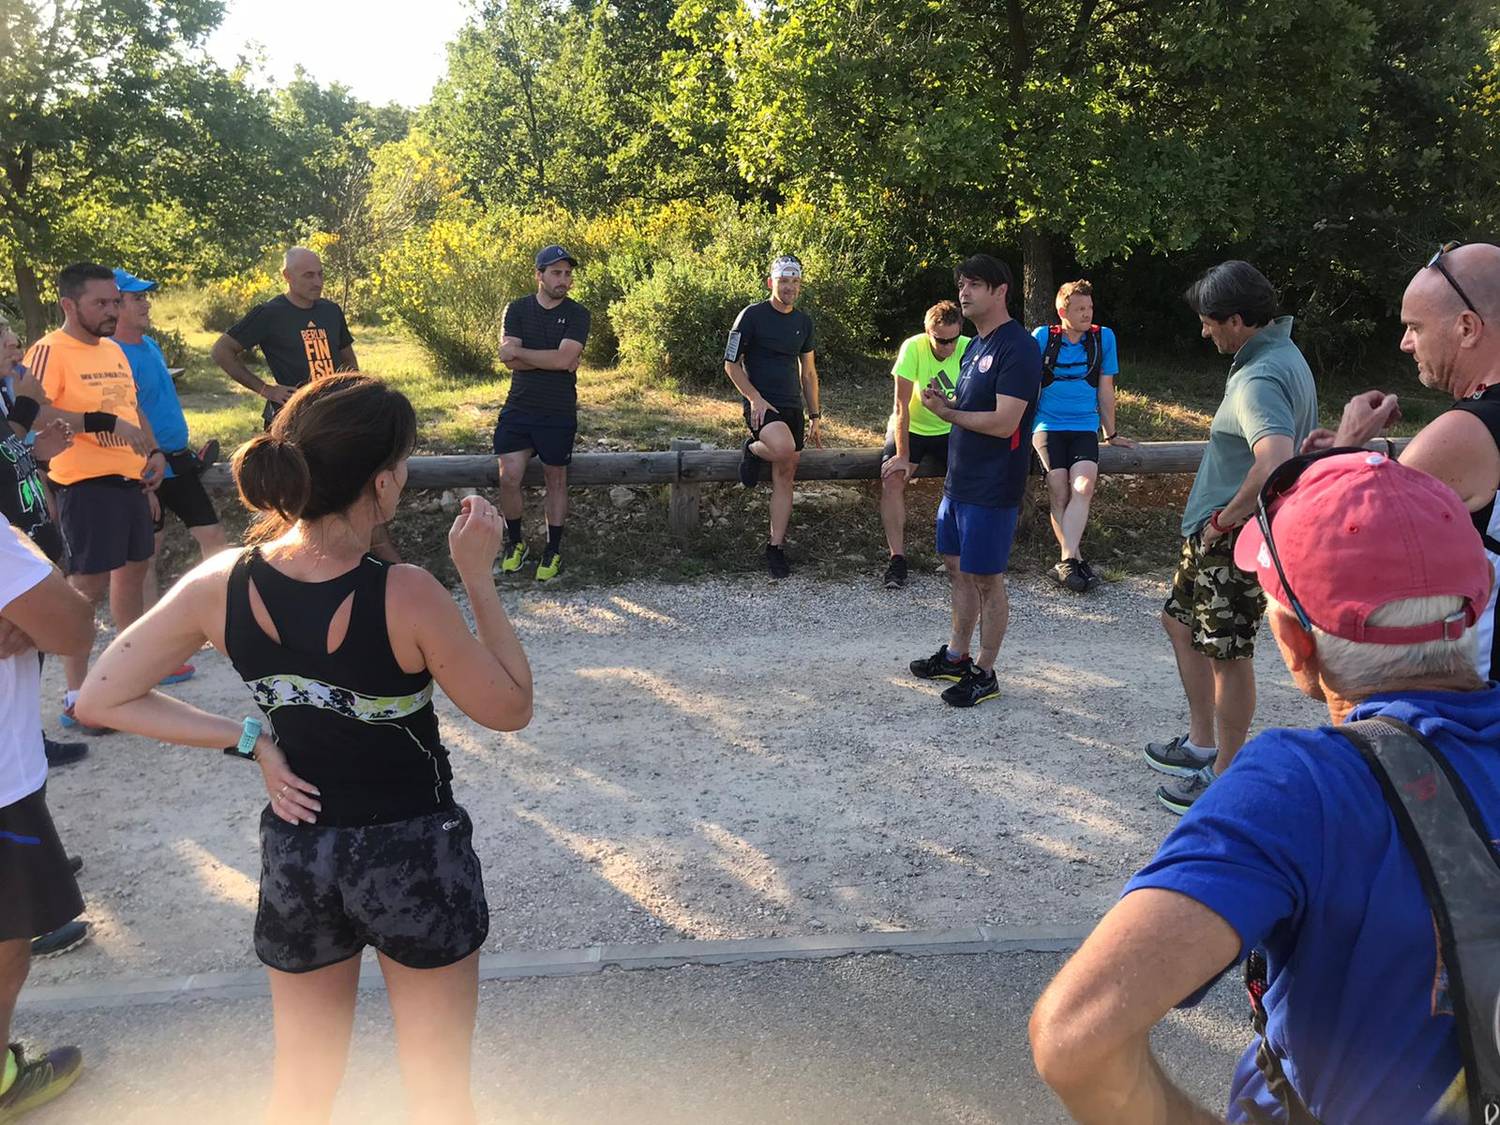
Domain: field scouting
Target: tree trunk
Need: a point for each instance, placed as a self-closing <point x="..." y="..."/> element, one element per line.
<point x="1036" y="247"/>
<point x="29" y="293"/>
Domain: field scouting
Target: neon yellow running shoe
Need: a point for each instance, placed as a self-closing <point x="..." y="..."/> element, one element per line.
<point x="549" y="567"/>
<point x="38" y="1081"/>
<point x="515" y="558"/>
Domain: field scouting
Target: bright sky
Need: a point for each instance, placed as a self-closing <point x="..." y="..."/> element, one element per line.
<point x="352" y="42"/>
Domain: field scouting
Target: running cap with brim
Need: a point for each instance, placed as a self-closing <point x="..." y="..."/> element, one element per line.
<point x="551" y="255"/>
<point x="129" y="283"/>
<point x="1358" y="531"/>
<point x="786" y="266"/>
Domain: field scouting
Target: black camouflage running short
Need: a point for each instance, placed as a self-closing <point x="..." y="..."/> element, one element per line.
<point x="412" y="889"/>
<point x="1221" y="603"/>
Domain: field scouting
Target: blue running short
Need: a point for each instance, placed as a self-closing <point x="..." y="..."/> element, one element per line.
<point x="979" y="535"/>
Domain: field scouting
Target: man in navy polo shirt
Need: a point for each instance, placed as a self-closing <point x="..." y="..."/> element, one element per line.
<point x="989" y="453"/>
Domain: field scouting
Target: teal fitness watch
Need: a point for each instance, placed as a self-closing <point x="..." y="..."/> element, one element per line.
<point x="249" y="732"/>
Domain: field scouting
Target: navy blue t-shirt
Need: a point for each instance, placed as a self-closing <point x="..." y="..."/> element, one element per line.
<point x="1296" y="848"/>
<point x="986" y="470"/>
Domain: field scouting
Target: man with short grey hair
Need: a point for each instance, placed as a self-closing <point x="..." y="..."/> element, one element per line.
<point x="1270" y="405"/>
<point x="1299" y="855"/>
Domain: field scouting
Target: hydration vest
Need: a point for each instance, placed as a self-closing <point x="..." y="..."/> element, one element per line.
<point x="1460" y="875"/>
<point x="1093" y="350"/>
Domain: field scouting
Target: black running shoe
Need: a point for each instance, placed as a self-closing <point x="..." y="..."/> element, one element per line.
<point x="75" y="863"/>
<point x="1058" y="573"/>
<point x="973" y="689"/>
<point x="895" y="573"/>
<point x="70" y="935"/>
<point x="939" y="667"/>
<point x="1088" y="574"/>
<point x="749" y="466"/>
<point x="776" y="562"/>
<point x="1072" y="574"/>
<point x="63" y="753"/>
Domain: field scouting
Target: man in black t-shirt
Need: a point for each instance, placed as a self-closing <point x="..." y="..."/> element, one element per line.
<point x="540" y="341"/>
<point x="770" y="361"/>
<point x="302" y="336"/>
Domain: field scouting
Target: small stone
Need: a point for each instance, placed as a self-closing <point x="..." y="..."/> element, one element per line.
<point x="621" y="497"/>
<point x="448" y="502"/>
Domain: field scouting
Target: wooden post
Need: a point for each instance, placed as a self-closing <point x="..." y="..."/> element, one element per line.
<point x="682" y="497"/>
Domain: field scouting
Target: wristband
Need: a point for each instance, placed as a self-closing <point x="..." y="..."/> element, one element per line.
<point x="154" y="452"/>
<point x="245" y="748"/>
<point x="1213" y="522"/>
<point x="815" y="415"/>
<point x="1109" y="437"/>
<point x="98" y="422"/>
<point x="24" y="411"/>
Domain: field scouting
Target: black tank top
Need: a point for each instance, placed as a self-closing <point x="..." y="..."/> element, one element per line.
<point x="350" y="722"/>
<point x="1487" y="522"/>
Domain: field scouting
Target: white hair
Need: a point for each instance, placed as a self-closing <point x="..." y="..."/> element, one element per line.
<point x="1359" y="667"/>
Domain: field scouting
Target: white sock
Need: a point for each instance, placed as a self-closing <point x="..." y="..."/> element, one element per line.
<point x="1201" y="751"/>
<point x="69" y="698"/>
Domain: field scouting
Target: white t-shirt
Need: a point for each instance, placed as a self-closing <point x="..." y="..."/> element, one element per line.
<point x="23" y="762"/>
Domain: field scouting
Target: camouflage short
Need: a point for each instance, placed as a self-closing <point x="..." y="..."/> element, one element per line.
<point x="411" y="888"/>
<point x="1221" y="603"/>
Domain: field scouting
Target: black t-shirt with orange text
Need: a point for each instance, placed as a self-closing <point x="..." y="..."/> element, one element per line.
<point x="300" y="345"/>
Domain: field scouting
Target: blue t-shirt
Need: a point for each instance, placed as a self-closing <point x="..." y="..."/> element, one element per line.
<point x="1069" y="403"/>
<point x="986" y="470"/>
<point x="156" y="396"/>
<point x="1296" y="848"/>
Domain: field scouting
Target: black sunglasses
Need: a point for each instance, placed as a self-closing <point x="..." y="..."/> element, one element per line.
<point x="1282" y="480"/>
<point x="1436" y="263"/>
<point x="946" y="341"/>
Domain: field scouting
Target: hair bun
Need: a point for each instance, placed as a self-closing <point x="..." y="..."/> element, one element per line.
<point x="273" y="476"/>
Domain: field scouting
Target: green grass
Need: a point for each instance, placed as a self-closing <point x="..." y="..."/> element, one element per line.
<point x="835" y="527"/>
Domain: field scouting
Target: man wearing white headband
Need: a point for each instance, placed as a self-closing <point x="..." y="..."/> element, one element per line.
<point x="769" y="359"/>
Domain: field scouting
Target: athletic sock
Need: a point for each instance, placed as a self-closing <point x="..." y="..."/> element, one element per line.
<point x="9" y="1071"/>
<point x="69" y="698"/>
<point x="1200" y="751"/>
<point x="554" y="539"/>
<point x="951" y="659"/>
<point x="513" y="531"/>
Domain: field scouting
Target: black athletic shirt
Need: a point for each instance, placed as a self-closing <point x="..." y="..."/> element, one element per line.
<point x="769" y="344"/>
<point x="533" y="390"/>
<point x="1487" y="522"/>
<point x="22" y="499"/>
<point x="299" y="344"/>
<point x="351" y="722"/>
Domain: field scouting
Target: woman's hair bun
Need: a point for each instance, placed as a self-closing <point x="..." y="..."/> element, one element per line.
<point x="272" y="476"/>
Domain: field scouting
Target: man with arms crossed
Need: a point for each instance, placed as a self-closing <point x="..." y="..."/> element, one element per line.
<point x="542" y="338"/>
<point x="989" y="454"/>
<point x="102" y="478"/>
<point x="37" y="611"/>
<point x="1295" y="853"/>
<point x="1270" y="405"/>
<point x="1451" y="320"/>
<point x="915" y="434"/>
<point x="770" y="360"/>
<point x="1079" y="365"/>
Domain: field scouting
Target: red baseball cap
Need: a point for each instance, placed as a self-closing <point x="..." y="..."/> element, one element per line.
<point x="1358" y="531"/>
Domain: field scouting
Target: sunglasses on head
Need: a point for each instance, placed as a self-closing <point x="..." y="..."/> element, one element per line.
<point x="1436" y="263"/>
<point x="1282" y="480"/>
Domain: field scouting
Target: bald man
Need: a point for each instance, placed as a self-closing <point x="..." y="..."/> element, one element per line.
<point x="302" y="336"/>
<point x="1451" y="317"/>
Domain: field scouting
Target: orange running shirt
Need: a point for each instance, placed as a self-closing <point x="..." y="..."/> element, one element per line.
<point x="81" y="378"/>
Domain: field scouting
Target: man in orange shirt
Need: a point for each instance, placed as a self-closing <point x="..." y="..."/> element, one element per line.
<point x="101" y="481"/>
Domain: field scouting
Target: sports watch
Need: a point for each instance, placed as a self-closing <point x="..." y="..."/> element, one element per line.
<point x="249" y="732"/>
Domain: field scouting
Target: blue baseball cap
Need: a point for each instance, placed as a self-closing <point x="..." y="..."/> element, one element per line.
<point x="551" y="255"/>
<point x="129" y="283"/>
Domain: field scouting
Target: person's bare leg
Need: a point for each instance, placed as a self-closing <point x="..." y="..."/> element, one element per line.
<point x="434" y="1012"/>
<point x="313" y="1014"/>
<point x="127" y="594"/>
<point x="556" y="502"/>
<point x="777" y="446"/>
<point x="994" y="617"/>
<point x="15" y="963"/>
<point x="965" y="608"/>
<point x="1234" y="706"/>
<point x="1197" y="674"/>
<point x="512" y="470"/>
<point x="893" y="513"/>
<point x="1076" y="515"/>
<point x="210" y="539"/>
<point x="95" y="587"/>
<point x="1057" y="502"/>
<point x="150" y="589"/>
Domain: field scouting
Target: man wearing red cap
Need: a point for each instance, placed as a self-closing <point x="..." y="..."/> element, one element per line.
<point x="1451" y="317"/>
<point x="1375" y="578"/>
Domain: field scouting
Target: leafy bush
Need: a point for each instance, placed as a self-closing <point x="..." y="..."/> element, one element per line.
<point x="221" y="303"/>
<point x="174" y="346"/>
<point x="674" y="322"/>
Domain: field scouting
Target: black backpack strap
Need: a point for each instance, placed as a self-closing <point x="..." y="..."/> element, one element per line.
<point x="1267" y="1061"/>
<point x="1049" y="354"/>
<point x="1442" y="829"/>
<point x="1093" y="349"/>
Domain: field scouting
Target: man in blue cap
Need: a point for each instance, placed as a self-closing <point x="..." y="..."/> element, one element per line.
<point x="541" y="340"/>
<point x="181" y="492"/>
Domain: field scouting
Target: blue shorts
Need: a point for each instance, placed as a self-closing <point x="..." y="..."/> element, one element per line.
<point x="980" y="536"/>
<point x="551" y="436"/>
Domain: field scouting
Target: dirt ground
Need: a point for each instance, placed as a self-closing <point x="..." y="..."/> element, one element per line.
<point x="725" y="759"/>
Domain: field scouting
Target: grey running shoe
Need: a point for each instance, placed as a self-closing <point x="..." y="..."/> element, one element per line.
<point x="1179" y="796"/>
<point x="1175" y="758"/>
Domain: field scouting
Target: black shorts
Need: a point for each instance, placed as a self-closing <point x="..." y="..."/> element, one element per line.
<point x="794" y="419"/>
<point x="184" y="496"/>
<point x="412" y="889"/>
<point x="929" y="449"/>
<point x="1062" y="449"/>
<point x="551" y="435"/>
<point x="36" y="882"/>
<point x="106" y="522"/>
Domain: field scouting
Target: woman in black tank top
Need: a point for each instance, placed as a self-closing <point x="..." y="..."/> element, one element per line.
<point x="361" y="841"/>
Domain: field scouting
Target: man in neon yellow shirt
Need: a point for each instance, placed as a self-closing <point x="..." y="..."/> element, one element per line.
<point x="915" y="435"/>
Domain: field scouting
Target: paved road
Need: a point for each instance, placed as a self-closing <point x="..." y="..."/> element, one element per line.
<point x="859" y="1039"/>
